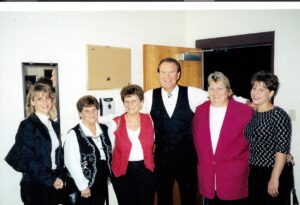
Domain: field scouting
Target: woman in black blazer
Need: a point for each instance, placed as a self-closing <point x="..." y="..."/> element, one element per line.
<point x="39" y="149"/>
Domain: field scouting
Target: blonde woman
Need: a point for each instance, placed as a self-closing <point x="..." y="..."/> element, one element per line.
<point x="222" y="149"/>
<point x="39" y="149"/>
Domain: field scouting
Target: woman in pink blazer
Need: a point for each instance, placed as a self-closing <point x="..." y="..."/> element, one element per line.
<point x="222" y="149"/>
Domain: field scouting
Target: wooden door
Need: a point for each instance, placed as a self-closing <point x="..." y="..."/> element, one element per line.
<point x="191" y="71"/>
<point x="191" y="75"/>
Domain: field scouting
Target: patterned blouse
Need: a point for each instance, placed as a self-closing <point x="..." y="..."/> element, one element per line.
<point x="268" y="132"/>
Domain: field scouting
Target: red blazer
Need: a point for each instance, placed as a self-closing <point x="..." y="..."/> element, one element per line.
<point x="123" y="145"/>
<point x="229" y="164"/>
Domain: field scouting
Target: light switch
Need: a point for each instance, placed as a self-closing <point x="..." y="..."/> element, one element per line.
<point x="292" y="114"/>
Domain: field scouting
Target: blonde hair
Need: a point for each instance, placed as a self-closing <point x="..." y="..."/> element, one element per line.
<point x="220" y="77"/>
<point x="36" y="90"/>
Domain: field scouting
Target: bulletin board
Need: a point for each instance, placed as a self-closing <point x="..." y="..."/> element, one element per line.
<point x="108" y="67"/>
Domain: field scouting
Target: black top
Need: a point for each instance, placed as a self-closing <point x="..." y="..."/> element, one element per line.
<point x="31" y="153"/>
<point x="268" y="132"/>
<point x="173" y="135"/>
<point x="90" y="155"/>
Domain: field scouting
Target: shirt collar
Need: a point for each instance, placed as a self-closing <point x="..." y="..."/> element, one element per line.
<point x="43" y="118"/>
<point x="88" y="132"/>
<point x="174" y="92"/>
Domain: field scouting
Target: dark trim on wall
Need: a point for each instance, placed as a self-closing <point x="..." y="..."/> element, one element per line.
<point x="245" y="40"/>
<point x="239" y="40"/>
<point x="39" y="64"/>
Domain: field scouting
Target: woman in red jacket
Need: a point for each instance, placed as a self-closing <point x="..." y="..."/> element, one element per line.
<point x="222" y="149"/>
<point x="132" y="160"/>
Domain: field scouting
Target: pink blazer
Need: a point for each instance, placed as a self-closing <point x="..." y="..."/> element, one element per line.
<point x="229" y="163"/>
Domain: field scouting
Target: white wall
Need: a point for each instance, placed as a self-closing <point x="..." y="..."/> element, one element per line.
<point x="61" y="37"/>
<point x="286" y="24"/>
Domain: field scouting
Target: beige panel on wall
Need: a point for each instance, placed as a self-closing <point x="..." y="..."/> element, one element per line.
<point x="108" y="67"/>
<point x="191" y="73"/>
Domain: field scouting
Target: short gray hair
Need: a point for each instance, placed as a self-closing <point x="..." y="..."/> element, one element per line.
<point x="220" y="77"/>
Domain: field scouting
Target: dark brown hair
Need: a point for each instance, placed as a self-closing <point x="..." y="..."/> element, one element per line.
<point x="132" y="90"/>
<point x="87" y="101"/>
<point x="170" y="60"/>
<point x="268" y="79"/>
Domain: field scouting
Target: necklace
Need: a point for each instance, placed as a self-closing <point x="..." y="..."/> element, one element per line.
<point x="268" y="107"/>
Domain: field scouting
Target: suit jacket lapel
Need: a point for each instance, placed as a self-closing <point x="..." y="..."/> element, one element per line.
<point x="206" y="125"/>
<point x="41" y="126"/>
<point x="56" y="128"/>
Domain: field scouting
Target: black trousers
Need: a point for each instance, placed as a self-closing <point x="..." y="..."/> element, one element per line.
<point x="217" y="201"/>
<point x="258" y="186"/>
<point x="136" y="187"/>
<point x="166" y="172"/>
<point x="99" y="190"/>
<point x="33" y="193"/>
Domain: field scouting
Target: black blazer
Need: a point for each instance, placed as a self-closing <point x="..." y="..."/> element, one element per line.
<point x="33" y="143"/>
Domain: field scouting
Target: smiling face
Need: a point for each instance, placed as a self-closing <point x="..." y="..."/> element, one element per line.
<point x="42" y="103"/>
<point x="218" y="94"/>
<point x="89" y="115"/>
<point x="260" y="94"/>
<point x="168" y="76"/>
<point x="133" y="104"/>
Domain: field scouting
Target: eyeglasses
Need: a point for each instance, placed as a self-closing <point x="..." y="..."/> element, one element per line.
<point x="90" y="111"/>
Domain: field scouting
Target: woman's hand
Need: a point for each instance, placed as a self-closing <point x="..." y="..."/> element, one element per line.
<point x="86" y="193"/>
<point x="290" y="158"/>
<point x="251" y="104"/>
<point x="273" y="186"/>
<point x="58" y="183"/>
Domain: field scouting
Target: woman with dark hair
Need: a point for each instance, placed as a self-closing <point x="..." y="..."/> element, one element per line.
<point x="269" y="135"/>
<point x="133" y="162"/>
<point x="39" y="150"/>
<point x="88" y="154"/>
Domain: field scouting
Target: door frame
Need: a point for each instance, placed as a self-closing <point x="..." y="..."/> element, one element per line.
<point x="244" y="40"/>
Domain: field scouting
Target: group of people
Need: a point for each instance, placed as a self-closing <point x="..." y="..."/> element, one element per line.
<point x="209" y="142"/>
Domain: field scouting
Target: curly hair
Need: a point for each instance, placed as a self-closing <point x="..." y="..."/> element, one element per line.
<point x="87" y="101"/>
<point x="132" y="90"/>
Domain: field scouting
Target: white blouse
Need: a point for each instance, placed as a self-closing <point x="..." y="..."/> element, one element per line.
<point x="72" y="154"/>
<point x="216" y="118"/>
<point x="136" y="152"/>
<point x="54" y="140"/>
